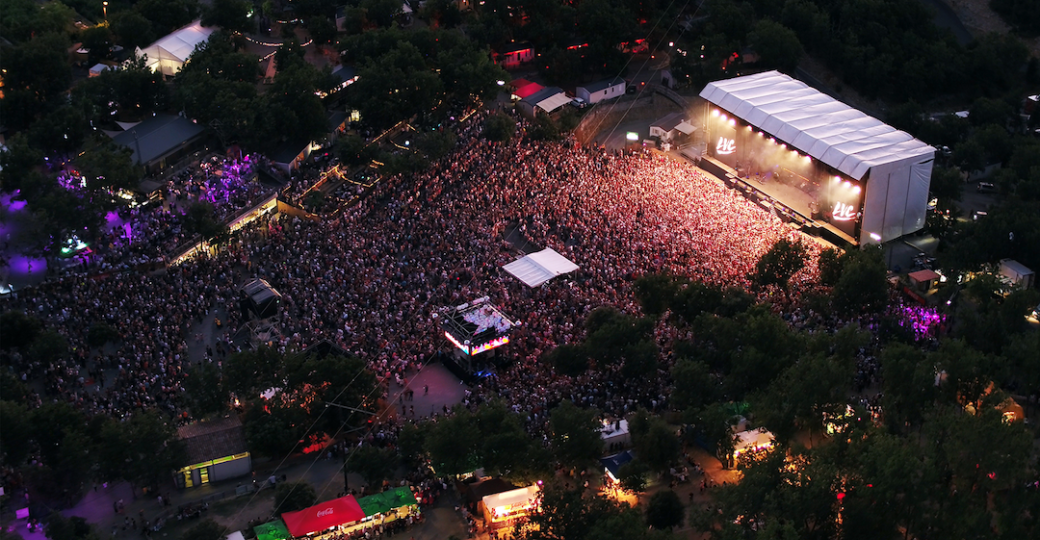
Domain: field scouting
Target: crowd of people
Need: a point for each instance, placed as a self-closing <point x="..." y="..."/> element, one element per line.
<point x="370" y="278"/>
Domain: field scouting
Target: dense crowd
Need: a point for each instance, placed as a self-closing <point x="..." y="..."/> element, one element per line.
<point x="370" y="278"/>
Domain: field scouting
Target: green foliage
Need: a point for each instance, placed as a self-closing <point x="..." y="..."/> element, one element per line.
<point x="453" y="444"/>
<point x="656" y="445"/>
<point x="206" y="529"/>
<point x="201" y="219"/>
<point x="436" y="144"/>
<point x="665" y="510"/>
<point x="322" y="29"/>
<point x="830" y="266"/>
<point x="574" y="435"/>
<point x="863" y="284"/>
<point x="615" y="338"/>
<point x="108" y="166"/>
<point x="1022" y="14"/>
<point x="60" y="527"/>
<point x="569" y="514"/>
<point x="167" y="15"/>
<point x="48" y="347"/>
<point x="777" y="46"/>
<point x="655" y="292"/>
<point x="372" y="463"/>
<point x="545" y="129"/>
<point x="18" y="329"/>
<point x="694" y="385"/>
<point x="293" y="496"/>
<point x="205" y="390"/>
<point x="569" y="360"/>
<point x="16" y="442"/>
<point x="132" y="29"/>
<point x="37" y="74"/>
<point x="24" y="18"/>
<point x="101" y="333"/>
<point x="142" y="450"/>
<point x="352" y="150"/>
<point x="499" y="127"/>
<point x="276" y="429"/>
<point x="634" y="476"/>
<point x="1011" y="230"/>
<point x="230" y="15"/>
<point x="785" y="258"/>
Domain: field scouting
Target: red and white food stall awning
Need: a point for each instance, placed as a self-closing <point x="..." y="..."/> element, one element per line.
<point x="323" y="516"/>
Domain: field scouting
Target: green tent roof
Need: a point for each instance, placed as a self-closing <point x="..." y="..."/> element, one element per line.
<point x="386" y="501"/>
<point x="274" y="530"/>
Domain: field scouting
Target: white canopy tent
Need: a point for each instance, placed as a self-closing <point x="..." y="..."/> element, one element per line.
<point x="516" y="497"/>
<point x="537" y="268"/>
<point x="554" y="102"/>
<point x="169" y="54"/>
<point x="896" y="167"/>
<point x="237" y="535"/>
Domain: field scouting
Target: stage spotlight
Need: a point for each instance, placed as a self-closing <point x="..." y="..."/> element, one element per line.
<point x="715" y="112"/>
<point x="732" y="121"/>
<point x="837" y="179"/>
<point x="723" y="117"/>
<point x="856" y="189"/>
<point x="808" y="158"/>
<point x="846" y="184"/>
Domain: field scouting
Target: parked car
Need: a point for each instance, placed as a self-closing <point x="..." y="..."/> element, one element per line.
<point x="579" y="103"/>
<point x="985" y="187"/>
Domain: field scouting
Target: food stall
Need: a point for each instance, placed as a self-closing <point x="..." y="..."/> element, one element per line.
<point x="501" y="510"/>
<point x="337" y="513"/>
<point x="274" y="530"/>
<point x="389" y="506"/>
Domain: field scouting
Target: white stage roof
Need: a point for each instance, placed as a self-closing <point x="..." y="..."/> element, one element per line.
<point x="815" y="123"/>
<point x="537" y="268"/>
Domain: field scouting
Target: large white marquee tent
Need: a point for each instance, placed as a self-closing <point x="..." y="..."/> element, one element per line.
<point x="895" y="167"/>
<point x="169" y="54"/>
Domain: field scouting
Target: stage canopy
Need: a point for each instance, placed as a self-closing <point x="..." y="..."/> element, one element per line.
<point x="171" y="52"/>
<point x="896" y="166"/>
<point x="537" y="268"/>
<point x="323" y="516"/>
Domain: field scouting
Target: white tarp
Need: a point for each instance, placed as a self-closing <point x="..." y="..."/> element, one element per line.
<point x="554" y="102"/>
<point x="685" y="127"/>
<point x="537" y="268"/>
<point x="170" y="53"/>
<point x="897" y="167"/>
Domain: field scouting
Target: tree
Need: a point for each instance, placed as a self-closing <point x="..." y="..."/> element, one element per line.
<point x="108" y="166"/>
<point x="48" y="347"/>
<point x="201" y="219"/>
<point x="353" y="150"/>
<point x="396" y="85"/>
<point x="633" y="476"/>
<point x="18" y="329"/>
<point x="16" y="442"/>
<point x="381" y="12"/>
<point x="664" y="510"/>
<point x="694" y="385"/>
<point x="253" y="371"/>
<point x="132" y="29"/>
<point x="372" y="463"/>
<point x="276" y="429"/>
<point x="101" y="333"/>
<point x="654" y="441"/>
<point x="656" y="292"/>
<point x="293" y="496"/>
<point x="60" y="527"/>
<point x="863" y="285"/>
<point x="37" y="73"/>
<point x="205" y="390"/>
<point x="142" y="450"/>
<point x="782" y="261"/>
<point x="206" y="529"/>
<point x="335" y="380"/>
<point x="230" y="15"/>
<point x="830" y="266"/>
<point x="453" y="444"/>
<point x="436" y="144"/>
<point x="499" y="128"/>
<point x="569" y="360"/>
<point x="575" y="435"/>
<point x="777" y="46"/>
<point x="168" y="15"/>
<point x="322" y="30"/>
<point x="98" y="42"/>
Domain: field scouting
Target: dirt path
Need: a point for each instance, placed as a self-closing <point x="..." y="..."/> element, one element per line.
<point x="977" y="16"/>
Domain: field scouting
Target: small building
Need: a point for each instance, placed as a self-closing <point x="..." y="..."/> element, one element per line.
<point x="98" y="69"/>
<point x="291" y="154"/>
<point x="615" y="433"/>
<point x="612" y="464"/>
<point x="1017" y="273"/>
<point x="546" y="100"/>
<point x="216" y="451"/>
<point x="923" y="279"/>
<point x="671" y="126"/>
<point x="521" y="88"/>
<point x="599" y="91"/>
<point x="515" y="54"/>
<point x="169" y="54"/>
<point x="753" y="440"/>
<point x="161" y="140"/>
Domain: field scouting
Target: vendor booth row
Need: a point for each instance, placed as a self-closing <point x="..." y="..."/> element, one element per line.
<point x="342" y="515"/>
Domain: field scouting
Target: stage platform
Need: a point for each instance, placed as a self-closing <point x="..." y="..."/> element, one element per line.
<point x="789" y="203"/>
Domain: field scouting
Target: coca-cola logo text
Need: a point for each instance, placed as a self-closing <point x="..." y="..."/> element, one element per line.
<point x="325" y="512"/>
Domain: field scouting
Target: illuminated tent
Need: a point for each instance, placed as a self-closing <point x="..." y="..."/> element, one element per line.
<point x="537" y="268"/>
<point x="170" y="53"/>
<point x="896" y="167"/>
<point x="323" y="516"/>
